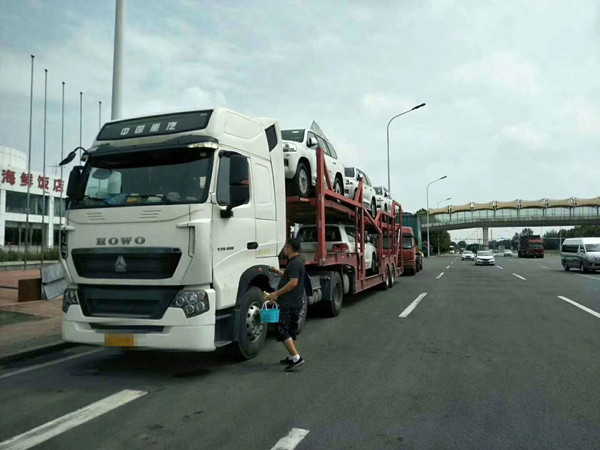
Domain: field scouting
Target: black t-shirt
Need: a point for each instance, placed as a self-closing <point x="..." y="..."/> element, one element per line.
<point x="294" y="269"/>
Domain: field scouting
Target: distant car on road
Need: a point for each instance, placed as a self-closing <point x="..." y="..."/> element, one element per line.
<point x="451" y="252"/>
<point x="508" y="253"/>
<point x="485" y="258"/>
<point x="467" y="254"/>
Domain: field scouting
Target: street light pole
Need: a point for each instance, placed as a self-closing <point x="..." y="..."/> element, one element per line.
<point x="431" y="182"/>
<point x="438" y="205"/>
<point x="388" y="141"/>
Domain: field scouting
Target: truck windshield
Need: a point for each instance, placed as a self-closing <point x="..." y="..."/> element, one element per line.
<point x="407" y="242"/>
<point x="536" y="245"/>
<point x="172" y="176"/>
<point x="292" y="135"/>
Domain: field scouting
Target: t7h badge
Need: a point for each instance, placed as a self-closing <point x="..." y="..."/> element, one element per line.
<point x="120" y="265"/>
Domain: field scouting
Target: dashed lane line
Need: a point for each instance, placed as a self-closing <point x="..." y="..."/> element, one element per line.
<point x="440" y="276"/>
<point x="447" y="267"/>
<point x="291" y="441"/>
<point x="588" y="276"/>
<point x="584" y="308"/>
<point x="502" y="268"/>
<point x="413" y="305"/>
<point x="519" y="276"/>
<point x="543" y="267"/>
<point x="50" y="363"/>
<point x="57" y="426"/>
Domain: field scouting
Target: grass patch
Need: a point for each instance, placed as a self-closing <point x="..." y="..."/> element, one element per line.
<point x="10" y="317"/>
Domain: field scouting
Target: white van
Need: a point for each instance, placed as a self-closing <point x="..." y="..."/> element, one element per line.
<point x="581" y="253"/>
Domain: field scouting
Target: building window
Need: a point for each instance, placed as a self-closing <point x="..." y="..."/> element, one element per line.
<point x="16" y="202"/>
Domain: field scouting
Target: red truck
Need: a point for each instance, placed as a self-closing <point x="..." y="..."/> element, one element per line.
<point x="411" y="257"/>
<point x="531" y="247"/>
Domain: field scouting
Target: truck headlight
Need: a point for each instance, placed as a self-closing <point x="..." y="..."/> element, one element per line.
<point x="192" y="302"/>
<point x="69" y="298"/>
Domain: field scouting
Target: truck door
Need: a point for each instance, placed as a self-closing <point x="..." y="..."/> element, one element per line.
<point x="234" y="231"/>
<point x="264" y="209"/>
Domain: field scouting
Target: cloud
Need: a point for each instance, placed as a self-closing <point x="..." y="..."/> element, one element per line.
<point x="525" y="134"/>
<point x="507" y="71"/>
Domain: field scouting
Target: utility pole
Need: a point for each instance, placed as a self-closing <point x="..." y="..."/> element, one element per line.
<point x="29" y="166"/>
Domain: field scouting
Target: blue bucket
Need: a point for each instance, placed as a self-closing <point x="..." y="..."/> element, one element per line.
<point x="269" y="315"/>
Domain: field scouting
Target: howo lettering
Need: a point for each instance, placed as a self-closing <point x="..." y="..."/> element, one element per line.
<point x="206" y="198"/>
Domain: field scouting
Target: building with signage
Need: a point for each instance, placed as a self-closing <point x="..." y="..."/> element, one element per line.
<point x="45" y="199"/>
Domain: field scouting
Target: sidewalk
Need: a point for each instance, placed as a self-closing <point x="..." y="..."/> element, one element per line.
<point x="42" y="327"/>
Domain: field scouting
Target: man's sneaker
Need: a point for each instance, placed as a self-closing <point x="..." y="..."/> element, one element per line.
<point x="293" y="365"/>
<point x="286" y="360"/>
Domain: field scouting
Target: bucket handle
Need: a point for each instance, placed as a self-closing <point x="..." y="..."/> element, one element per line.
<point x="265" y="305"/>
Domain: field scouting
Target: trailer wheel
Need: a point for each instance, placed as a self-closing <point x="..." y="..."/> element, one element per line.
<point x="251" y="332"/>
<point x="334" y="306"/>
<point x="302" y="180"/>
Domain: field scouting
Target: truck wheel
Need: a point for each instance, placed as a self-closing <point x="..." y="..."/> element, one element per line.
<point x="302" y="319"/>
<point x="334" y="307"/>
<point x="582" y="268"/>
<point x="302" y="180"/>
<point x="251" y="332"/>
<point x="393" y="276"/>
<point x="567" y="268"/>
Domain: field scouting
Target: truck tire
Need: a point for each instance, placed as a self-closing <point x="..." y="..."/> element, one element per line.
<point x="302" y="180"/>
<point x="334" y="306"/>
<point x="251" y="332"/>
<point x="582" y="268"/>
<point x="393" y="276"/>
<point x="565" y="266"/>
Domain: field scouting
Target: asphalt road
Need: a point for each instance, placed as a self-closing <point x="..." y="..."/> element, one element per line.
<point x="485" y="360"/>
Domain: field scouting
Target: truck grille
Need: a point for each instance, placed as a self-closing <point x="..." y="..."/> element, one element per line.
<point x="148" y="263"/>
<point x="126" y="301"/>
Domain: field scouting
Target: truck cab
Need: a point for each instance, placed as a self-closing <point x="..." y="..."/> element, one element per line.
<point x="173" y="222"/>
<point x="410" y="252"/>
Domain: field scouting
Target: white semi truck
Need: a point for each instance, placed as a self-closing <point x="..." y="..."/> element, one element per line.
<point x="172" y="224"/>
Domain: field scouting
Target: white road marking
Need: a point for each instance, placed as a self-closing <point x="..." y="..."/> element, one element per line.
<point x="440" y="275"/>
<point x="588" y="276"/>
<point x="584" y="308"/>
<point x="291" y="441"/>
<point x="447" y="267"/>
<point x="57" y="426"/>
<point x="50" y="363"/>
<point x="500" y="267"/>
<point x="543" y="267"/>
<point x="519" y="276"/>
<point x="413" y="305"/>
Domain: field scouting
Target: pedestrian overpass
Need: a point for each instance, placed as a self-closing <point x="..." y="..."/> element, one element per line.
<point x="517" y="213"/>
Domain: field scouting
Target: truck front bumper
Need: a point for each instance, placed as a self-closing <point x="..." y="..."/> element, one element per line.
<point x="173" y="332"/>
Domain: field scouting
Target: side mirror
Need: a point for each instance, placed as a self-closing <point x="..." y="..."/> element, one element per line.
<point x="75" y="187"/>
<point x="312" y="142"/>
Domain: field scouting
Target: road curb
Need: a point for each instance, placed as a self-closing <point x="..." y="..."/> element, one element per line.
<point x="33" y="352"/>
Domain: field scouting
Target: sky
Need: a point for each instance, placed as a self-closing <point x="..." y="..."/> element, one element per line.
<point x="512" y="88"/>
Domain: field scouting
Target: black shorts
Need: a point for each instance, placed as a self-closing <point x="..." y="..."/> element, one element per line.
<point x="288" y="323"/>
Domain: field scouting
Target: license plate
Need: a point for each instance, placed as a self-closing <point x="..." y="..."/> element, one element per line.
<point x="119" y="340"/>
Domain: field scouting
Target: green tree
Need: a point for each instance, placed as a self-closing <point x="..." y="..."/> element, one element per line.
<point x="462" y="244"/>
<point x="526" y="232"/>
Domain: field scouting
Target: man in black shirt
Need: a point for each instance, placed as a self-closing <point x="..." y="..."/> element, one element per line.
<point x="289" y="295"/>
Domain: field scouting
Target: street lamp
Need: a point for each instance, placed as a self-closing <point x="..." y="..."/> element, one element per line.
<point x="388" y="141"/>
<point x="431" y="182"/>
<point x="438" y="205"/>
